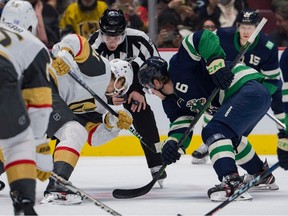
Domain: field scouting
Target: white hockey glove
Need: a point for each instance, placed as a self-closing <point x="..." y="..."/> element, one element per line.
<point x="63" y="62"/>
<point x="44" y="160"/>
<point x="124" y="120"/>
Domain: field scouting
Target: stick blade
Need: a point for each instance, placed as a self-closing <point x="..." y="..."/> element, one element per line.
<point x="133" y="193"/>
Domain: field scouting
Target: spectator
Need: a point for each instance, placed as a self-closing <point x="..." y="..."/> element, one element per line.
<point x="280" y="35"/>
<point x="142" y="12"/>
<point x="130" y="13"/>
<point x="168" y="36"/>
<point x="186" y="11"/>
<point x="225" y="11"/>
<point x="209" y="23"/>
<point x="110" y="3"/>
<point x="82" y="17"/>
<point x="59" y="5"/>
<point x="51" y="23"/>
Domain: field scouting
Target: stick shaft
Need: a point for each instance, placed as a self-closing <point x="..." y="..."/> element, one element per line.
<point x="276" y="120"/>
<point x="106" y="106"/>
<point x="76" y="190"/>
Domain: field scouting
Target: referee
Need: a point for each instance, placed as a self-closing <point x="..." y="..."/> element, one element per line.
<point x="115" y="40"/>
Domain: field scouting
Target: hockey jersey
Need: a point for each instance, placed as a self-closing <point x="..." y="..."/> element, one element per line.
<point x="31" y="59"/>
<point x="92" y="69"/>
<point x="262" y="54"/>
<point x="192" y="82"/>
<point x="284" y="68"/>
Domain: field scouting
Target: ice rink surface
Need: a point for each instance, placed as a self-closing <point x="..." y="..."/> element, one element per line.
<point x="184" y="192"/>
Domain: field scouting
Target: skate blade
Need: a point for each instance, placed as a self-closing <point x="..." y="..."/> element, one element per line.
<point x="199" y="160"/>
<point x="56" y="199"/>
<point x="221" y="197"/>
<point x="264" y="187"/>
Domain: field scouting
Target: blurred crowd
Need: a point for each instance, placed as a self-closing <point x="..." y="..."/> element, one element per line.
<point x="175" y="19"/>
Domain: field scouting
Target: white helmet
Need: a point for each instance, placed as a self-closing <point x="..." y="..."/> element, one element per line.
<point x="20" y="13"/>
<point x="120" y="69"/>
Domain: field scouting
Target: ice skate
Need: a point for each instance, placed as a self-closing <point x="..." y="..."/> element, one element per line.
<point x="200" y="155"/>
<point x="230" y="184"/>
<point x="21" y="205"/>
<point x="266" y="184"/>
<point x="61" y="198"/>
<point x="154" y="171"/>
<point x="59" y="195"/>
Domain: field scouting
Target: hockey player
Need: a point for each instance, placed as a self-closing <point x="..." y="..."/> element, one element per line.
<point x="115" y="40"/>
<point x="262" y="56"/>
<point x="282" y="149"/>
<point x="21" y="13"/>
<point x="25" y="124"/>
<point x="16" y="133"/>
<point x="184" y="89"/>
<point x="77" y="116"/>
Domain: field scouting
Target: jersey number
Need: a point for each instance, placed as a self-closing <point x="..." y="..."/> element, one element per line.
<point x="5" y="39"/>
<point x="254" y="60"/>
<point x="181" y="87"/>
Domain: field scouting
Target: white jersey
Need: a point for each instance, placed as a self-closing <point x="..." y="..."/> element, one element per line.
<point x="24" y="46"/>
<point x="31" y="60"/>
<point x="93" y="69"/>
<point x="4" y="52"/>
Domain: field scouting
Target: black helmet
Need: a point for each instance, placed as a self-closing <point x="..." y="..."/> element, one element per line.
<point x="248" y="16"/>
<point x="113" y="22"/>
<point x="154" y="68"/>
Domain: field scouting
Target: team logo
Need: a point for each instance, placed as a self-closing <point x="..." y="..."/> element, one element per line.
<point x="195" y="105"/>
<point x="22" y="120"/>
<point x="56" y="116"/>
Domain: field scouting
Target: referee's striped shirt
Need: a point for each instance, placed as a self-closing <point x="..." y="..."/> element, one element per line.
<point x="136" y="48"/>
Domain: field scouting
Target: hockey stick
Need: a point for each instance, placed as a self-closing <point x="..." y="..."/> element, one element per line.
<point x="276" y="120"/>
<point x="105" y="105"/>
<point x="132" y="193"/>
<point x="68" y="185"/>
<point x="246" y="187"/>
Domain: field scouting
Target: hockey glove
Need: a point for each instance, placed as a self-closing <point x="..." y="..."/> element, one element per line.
<point x="221" y="75"/>
<point x="63" y="62"/>
<point x="44" y="160"/>
<point x="170" y="151"/>
<point x="282" y="150"/>
<point x="124" y="120"/>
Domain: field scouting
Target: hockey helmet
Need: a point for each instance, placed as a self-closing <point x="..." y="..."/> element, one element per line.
<point x="122" y="69"/>
<point x="113" y="22"/>
<point x="248" y="16"/>
<point x="154" y="68"/>
<point x="20" y="13"/>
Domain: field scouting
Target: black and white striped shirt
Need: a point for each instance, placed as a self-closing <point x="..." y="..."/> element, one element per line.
<point x="136" y="48"/>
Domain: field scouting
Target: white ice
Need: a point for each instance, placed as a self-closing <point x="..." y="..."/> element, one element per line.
<point x="184" y="192"/>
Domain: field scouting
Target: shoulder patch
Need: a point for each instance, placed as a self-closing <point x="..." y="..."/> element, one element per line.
<point x="269" y="45"/>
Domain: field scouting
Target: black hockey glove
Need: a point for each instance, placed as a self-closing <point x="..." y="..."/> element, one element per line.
<point x="220" y="73"/>
<point x="282" y="150"/>
<point x="170" y="152"/>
